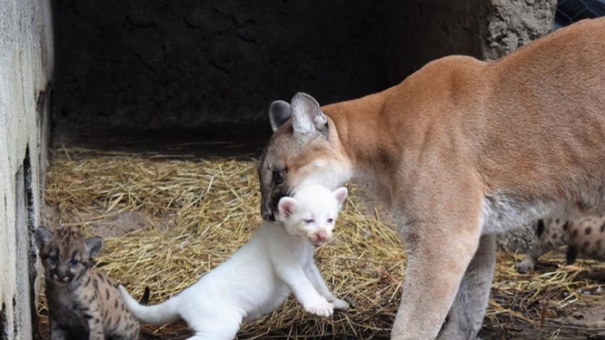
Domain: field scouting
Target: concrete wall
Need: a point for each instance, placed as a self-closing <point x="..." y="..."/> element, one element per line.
<point x="26" y="62"/>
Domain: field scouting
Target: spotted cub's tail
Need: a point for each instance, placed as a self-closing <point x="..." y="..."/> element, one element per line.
<point x="164" y="312"/>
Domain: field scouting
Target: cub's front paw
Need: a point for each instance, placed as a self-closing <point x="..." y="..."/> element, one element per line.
<point x="339" y="304"/>
<point x="320" y="307"/>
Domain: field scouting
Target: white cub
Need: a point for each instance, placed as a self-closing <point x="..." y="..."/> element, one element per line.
<point x="256" y="279"/>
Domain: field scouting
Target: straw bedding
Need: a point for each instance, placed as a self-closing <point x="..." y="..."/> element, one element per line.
<point x="167" y="221"/>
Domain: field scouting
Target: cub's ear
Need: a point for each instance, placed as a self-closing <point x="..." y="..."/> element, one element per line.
<point x="94" y="245"/>
<point x="279" y="113"/>
<point x="307" y="117"/>
<point x="341" y="195"/>
<point x="42" y="236"/>
<point x="286" y="207"/>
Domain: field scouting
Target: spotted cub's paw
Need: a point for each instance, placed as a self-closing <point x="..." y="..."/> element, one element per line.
<point x="320" y="307"/>
<point x="524" y="267"/>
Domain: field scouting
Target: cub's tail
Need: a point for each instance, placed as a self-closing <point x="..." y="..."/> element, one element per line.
<point x="164" y="312"/>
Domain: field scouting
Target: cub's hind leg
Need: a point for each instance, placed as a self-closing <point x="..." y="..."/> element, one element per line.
<point x="222" y="325"/>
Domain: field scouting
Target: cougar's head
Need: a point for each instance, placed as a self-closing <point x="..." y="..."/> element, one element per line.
<point x="304" y="149"/>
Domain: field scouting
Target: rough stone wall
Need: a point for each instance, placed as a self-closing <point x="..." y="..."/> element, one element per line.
<point x="26" y="59"/>
<point x="423" y="30"/>
<point x="511" y="24"/>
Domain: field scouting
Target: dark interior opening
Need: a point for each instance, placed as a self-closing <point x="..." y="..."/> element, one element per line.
<point x="147" y="70"/>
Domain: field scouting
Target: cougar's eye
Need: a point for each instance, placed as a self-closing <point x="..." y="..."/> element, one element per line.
<point x="308" y="221"/>
<point x="53" y="259"/>
<point x="277" y="176"/>
<point x="73" y="262"/>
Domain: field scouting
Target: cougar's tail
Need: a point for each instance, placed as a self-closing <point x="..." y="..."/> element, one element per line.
<point x="155" y="314"/>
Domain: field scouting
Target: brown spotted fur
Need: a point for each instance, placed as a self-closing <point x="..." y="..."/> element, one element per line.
<point x="584" y="236"/>
<point x="459" y="151"/>
<point x="82" y="303"/>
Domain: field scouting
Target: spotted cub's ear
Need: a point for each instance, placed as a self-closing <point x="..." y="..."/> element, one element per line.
<point x="341" y="195"/>
<point x="94" y="245"/>
<point x="286" y="207"/>
<point x="279" y="113"/>
<point x="42" y="236"/>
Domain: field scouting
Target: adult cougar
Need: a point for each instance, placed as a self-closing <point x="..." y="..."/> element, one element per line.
<point x="460" y="150"/>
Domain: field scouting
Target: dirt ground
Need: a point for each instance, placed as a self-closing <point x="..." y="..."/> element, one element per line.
<point x="517" y="309"/>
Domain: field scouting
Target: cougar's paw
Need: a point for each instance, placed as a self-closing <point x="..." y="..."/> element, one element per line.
<point x="320" y="307"/>
<point x="339" y="304"/>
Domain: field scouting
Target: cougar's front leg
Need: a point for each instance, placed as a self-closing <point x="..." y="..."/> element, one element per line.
<point x="438" y="256"/>
<point x="466" y="315"/>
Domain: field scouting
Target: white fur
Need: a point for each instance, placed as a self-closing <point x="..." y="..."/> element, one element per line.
<point x="278" y="260"/>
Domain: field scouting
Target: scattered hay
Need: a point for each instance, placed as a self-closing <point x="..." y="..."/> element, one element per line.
<point x="194" y="213"/>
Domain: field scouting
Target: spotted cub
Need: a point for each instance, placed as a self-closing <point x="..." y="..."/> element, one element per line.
<point x="585" y="236"/>
<point x="82" y="303"/>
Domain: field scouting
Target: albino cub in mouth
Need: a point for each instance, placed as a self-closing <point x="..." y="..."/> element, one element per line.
<point x="278" y="260"/>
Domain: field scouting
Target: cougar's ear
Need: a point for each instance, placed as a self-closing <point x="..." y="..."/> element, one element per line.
<point x="42" y="236"/>
<point x="94" y="245"/>
<point x="279" y="113"/>
<point x="286" y="207"/>
<point x="307" y="117"/>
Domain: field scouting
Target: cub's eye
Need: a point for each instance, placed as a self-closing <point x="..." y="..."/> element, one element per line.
<point x="277" y="176"/>
<point x="330" y="220"/>
<point x="54" y="259"/>
<point x="73" y="262"/>
<point x="308" y="221"/>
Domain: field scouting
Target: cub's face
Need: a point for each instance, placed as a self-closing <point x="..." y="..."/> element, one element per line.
<point x="312" y="212"/>
<point x="66" y="254"/>
<point x="302" y="151"/>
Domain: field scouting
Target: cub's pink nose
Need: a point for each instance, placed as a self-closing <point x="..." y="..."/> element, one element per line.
<point x="322" y="236"/>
